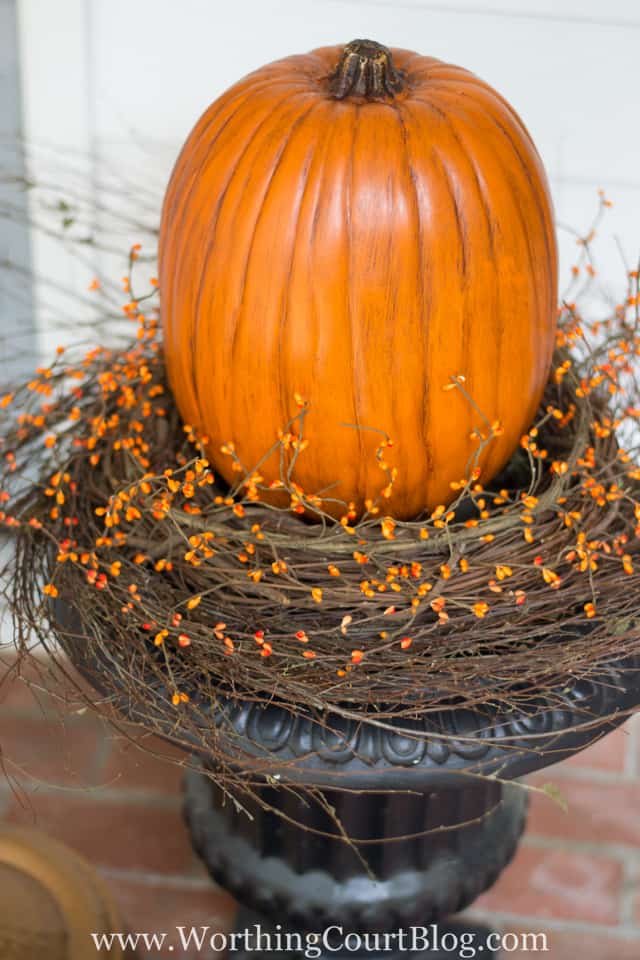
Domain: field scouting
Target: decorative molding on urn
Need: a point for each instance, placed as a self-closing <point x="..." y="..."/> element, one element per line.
<point x="450" y="744"/>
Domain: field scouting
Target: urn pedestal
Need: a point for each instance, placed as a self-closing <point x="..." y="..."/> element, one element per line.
<point x="429" y="808"/>
<point x="388" y="898"/>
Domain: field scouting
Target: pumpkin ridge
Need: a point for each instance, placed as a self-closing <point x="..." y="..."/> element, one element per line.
<point x="337" y="166"/>
<point x="463" y="270"/>
<point x="543" y="211"/>
<point x="188" y="156"/>
<point x="471" y="123"/>
<point x="308" y="214"/>
<point x="170" y="226"/>
<point x="484" y="91"/>
<point x="222" y="286"/>
<point x="426" y="385"/>
<point x="212" y="231"/>
<point x="539" y="296"/>
<point x="467" y="152"/>
<point x="469" y="119"/>
<point x="460" y="219"/>
<point x="482" y="192"/>
<point x="237" y="321"/>
<point x="479" y="88"/>
<point x="173" y="222"/>
<point x="181" y="255"/>
<point x="461" y="162"/>
<point x="388" y="330"/>
<point x="286" y="391"/>
<point x="321" y="176"/>
<point x="355" y="367"/>
<point x="424" y="343"/>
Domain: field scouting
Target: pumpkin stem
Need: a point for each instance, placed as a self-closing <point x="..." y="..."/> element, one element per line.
<point x="366" y="69"/>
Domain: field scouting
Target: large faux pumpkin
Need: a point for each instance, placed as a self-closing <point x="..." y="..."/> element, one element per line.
<point x="358" y="226"/>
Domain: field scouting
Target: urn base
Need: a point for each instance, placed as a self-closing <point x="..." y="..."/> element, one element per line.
<point x="416" y="858"/>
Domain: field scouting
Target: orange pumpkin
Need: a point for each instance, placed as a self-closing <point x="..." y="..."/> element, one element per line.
<point x="359" y="226"/>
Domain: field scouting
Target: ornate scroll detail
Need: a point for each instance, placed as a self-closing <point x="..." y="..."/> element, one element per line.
<point x="450" y="740"/>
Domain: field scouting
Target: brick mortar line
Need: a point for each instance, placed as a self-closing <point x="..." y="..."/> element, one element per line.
<point x="131" y="797"/>
<point x="184" y="881"/>
<point x="106" y="739"/>
<point x="614" y="851"/>
<point x="500" y="918"/>
<point x="123" y="743"/>
<point x="628" y="894"/>
<point x="589" y="775"/>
